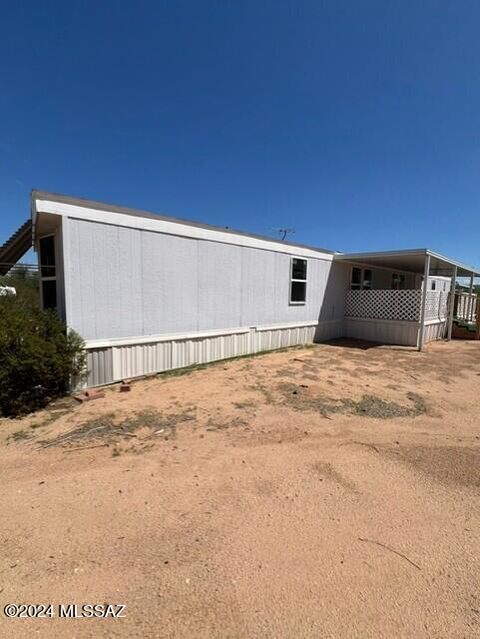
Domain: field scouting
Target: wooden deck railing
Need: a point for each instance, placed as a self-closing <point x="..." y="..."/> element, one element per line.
<point x="466" y="306"/>
<point x="466" y="313"/>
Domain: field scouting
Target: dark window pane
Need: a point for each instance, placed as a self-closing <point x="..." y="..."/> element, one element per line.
<point x="398" y="281"/>
<point x="299" y="290"/>
<point x="356" y="277"/>
<point x="367" y="279"/>
<point x="49" y="293"/>
<point x="299" y="269"/>
<point x="47" y="256"/>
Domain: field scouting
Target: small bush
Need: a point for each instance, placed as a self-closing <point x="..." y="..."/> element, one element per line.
<point x="38" y="356"/>
<point x="26" y="283"/>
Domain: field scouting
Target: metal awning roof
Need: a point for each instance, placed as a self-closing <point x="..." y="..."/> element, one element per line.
<point x="412" y="260"/>
<point x="15" y="247"/>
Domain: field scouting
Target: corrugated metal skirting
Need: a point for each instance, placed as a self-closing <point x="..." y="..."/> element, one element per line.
<point x="435" y="331"/>
<point x="271" y="339"/>
<point x="144" y="359"/>
<point x="99" y="366"/>
<point x="114" y="363"/>
<point x="383" y="331"/>
<point x="117" y="362"/>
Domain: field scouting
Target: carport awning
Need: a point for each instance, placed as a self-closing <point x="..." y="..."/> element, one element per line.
<point x="15" y="247"/>
<point x="411" y="261"/>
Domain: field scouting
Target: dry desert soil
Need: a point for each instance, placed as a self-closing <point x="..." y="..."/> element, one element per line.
<point x="329" y="491"/>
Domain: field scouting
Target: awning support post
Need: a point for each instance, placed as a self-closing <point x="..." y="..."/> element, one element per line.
<point x="470" y="300"/>
<point x="421" y="333"/>
<point x="452" y="303"/>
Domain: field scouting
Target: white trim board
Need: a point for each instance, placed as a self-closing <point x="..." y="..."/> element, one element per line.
<point x="390" y="321"/>
<point x="436" y="321"/>
<point x="153" y="339"/>
<point x="173" y="337"/>
<point x="172" y="228"/>
<point x="382" y="321"/>
<point x="279" y="327"/>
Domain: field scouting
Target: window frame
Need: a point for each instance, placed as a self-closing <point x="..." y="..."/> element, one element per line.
<point x="364" y="279"/>
<point x="357" y="286"/>
<point x="296" y="279"/>
<point x="361" y="285"/>
<point x="48" y="278"/>
<point x="398" y="281"/>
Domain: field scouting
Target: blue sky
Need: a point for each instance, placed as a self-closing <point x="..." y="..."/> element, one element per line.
<point x="357" y="123"/>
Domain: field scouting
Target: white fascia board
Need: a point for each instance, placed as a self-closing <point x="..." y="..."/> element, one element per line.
<point x="34" y="215"/>
<point x="367" y="254"/>
<point x="278" y="327"/>
<point x="172" y="228"/>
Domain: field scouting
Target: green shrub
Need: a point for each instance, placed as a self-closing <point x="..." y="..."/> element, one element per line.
<point x="26" y="282"/>
<point x="38" y="356"/>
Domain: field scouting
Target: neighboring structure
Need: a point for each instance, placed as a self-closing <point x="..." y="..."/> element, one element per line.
<point x="7" y="290"/>
<point x="151" y="293"/>
<point x="15" y="247"/>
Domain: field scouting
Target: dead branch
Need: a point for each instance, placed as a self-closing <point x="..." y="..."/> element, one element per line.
<point x="70" y="450"/>
<point x="379" y="543"/>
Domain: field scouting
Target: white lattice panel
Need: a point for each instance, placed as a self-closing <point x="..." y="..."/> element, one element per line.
<point x="384" y="304"/>
<point x="436" y="305"/>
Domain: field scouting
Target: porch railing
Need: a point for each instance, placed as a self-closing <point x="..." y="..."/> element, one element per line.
<point x="403" y="305"/>
<point x="465" y="306"/>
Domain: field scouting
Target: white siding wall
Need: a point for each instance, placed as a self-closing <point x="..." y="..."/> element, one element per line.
<point x="441" y="283"/>
<point x="126" y="282"/>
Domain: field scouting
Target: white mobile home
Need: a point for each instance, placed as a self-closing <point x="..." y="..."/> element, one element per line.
<point x="150" y="293"/>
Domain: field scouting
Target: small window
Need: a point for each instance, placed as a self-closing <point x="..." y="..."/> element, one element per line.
<point x="434" y="286"/>
<point x="48" y="271"/>
<point x="398" y="281"/>
<point x="356" y="282"/>
<point x="47" y="256"/>
<point x="361" y="279"/>
<point x="367" y="279"/>
<point x="298" y="281"/>
<point x="49" y="294"/>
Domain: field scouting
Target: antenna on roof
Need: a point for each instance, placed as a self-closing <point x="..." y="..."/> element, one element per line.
<point x="283" y="232"/>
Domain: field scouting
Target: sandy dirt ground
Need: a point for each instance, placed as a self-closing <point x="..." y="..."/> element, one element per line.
<point x="330" y="491"/>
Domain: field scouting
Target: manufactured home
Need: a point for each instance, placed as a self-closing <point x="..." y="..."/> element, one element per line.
<point x="149" y="293"/>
